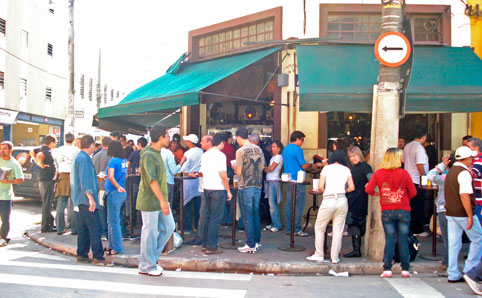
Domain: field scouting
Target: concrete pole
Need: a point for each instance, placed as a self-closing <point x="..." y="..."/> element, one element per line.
<point x="71" y="113"/>
<point x="98" y="94"/>
<point x="385" y="120"/>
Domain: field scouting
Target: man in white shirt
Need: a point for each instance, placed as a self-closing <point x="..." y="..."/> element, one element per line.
<point x="416" y="164"/>
<point x="459" y="205"/>
<point x="216" y="193"/>
<point x="191" y="194"/>
<point x="64" y="158"/>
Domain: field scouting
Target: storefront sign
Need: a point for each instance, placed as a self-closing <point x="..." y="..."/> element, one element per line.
<point x="392" y="49"/>
<point x="7" y="116"/>
<point x="79" y="114"/>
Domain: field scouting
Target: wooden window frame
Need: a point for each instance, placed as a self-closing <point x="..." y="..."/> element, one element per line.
<point x="412" y="10"/>
<point x="274" y="14"/>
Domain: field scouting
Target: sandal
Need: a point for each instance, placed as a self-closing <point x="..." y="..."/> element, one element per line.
<point x="386" y="274"/>
<point x="111" y="252"/>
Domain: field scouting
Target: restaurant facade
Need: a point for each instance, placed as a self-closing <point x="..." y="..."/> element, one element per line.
<point x="242" y="73"/>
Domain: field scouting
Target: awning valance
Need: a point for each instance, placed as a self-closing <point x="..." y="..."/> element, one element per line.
<point x="341" y="78"/>
<point x="176" y="89"/>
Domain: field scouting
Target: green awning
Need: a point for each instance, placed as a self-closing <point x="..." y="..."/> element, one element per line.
<point x="341" y="78"/>
<point x="174" y="90"/>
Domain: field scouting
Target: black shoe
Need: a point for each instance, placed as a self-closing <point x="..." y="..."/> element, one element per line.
<point x="49" y="230"/>
<point x="456" y="280"/>
<point x="353" y="254"/>
<point x="193" y="241"/>
<point x="74" y="233"/>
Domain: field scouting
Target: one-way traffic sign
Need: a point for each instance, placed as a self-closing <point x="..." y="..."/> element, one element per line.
<point x="392" y="49"/>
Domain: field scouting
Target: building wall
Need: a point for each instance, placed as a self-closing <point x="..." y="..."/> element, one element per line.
<point x="32" y="62"/>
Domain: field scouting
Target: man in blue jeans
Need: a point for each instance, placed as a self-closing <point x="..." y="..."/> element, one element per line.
<point x="152" y="200"/>
<point x="216" y="193"/>
<point x="249" y="168"/>
<point x="459" y="205"/>
<point x="83" y="185"/>
<point x="294" y="161"/>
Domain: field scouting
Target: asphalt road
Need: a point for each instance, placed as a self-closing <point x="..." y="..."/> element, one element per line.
<point x="29" y="270"/>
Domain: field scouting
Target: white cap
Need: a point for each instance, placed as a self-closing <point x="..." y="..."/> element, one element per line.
<point x="191" y="138"/>
<point x="464" y="152"/>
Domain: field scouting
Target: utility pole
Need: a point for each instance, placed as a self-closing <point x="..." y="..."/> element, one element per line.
<point x="71" y="110"/>
<point x="385" y="125"/>
<point x="98" y="95"/>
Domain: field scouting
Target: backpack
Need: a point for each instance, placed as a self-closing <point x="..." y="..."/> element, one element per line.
<point x="413" y="247"/>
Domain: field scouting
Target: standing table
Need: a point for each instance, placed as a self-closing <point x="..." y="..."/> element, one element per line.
<point x="292" y="247"/>
<point x="232" y="245"/>
<point x="130" y="205"/>
<point x="181" y="202"/>
<point x="433" y="256"/>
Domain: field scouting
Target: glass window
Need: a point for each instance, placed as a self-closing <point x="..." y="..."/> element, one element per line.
<point x="201" y="42"/>
<point x="215" y="38"/>
<point x="208" y="40"/>
<point x="252" y="30"/>
<point x="229" y="35"/>
<point x="244" y="31"/>
<point x="229" y="45"/>
<point x="221" y="37"/>
<point x="260" y="28"/>
<point x="48" y="93"/>
<point x="3" y="26"/>
<point x="243" y="42"/>
<point x="268" y="26"/>
<point x="426" y="29"/>
<point x="236" y="43"/>
<point x="50" y="49"/>
<point x="23" y="87"/>
<point x="261" y="37"/>
<point x="2" y="79"/>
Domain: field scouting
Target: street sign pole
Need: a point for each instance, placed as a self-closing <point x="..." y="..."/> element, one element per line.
<point x="392" y="51"/>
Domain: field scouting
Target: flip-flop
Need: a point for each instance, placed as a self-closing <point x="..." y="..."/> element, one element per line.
<point x="111" y="252"/>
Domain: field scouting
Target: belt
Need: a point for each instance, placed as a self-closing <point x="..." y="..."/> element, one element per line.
<point x="334" y="196"/>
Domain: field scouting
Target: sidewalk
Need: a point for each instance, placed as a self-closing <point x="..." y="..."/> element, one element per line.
<point x="269" y="260"/>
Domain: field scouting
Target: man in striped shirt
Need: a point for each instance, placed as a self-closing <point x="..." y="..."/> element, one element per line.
<point x="475" y="144"/>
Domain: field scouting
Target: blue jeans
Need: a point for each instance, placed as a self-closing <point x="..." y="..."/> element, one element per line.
<point x="211" y="214"/>
<point x="157" y="228"/>
<point x="249" y="203"/>
<point x="189" y="214"/>
<point x="300" y="205"/>
<point x="89" y="229"/>
<point x="5" y="209"/>
<point x="62" y="202"/>
<point x="273" y="206"/>
<point x="478" y="209"/>
<point x="396" y="223"/>
<point x="456" y="227"/>
<point x="115" y="201"/>
<point x="442" y="219"/>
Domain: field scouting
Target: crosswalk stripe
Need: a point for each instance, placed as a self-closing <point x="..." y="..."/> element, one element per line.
<point x="413" y="288"/>
<point x="127" y="288"/>
<point x="132" y="271"/>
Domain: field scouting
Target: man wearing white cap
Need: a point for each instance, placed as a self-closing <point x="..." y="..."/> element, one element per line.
<point x="192" y="197"/>
<point x="460" y="204"/>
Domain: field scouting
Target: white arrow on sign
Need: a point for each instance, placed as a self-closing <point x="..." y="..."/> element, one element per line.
<point x="392" y="49"/>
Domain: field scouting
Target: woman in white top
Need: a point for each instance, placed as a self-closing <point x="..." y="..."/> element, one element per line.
<point x="334" y="179"/>
<point x="272" y="185"/>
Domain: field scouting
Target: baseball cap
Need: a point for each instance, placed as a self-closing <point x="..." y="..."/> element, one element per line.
<point x="176" y="138"/>
<point x="242" y="132"/>
<point x="191" y="138"/>
<point x="464" y="152"/>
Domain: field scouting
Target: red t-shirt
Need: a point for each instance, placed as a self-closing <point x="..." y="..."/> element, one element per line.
<point x="230" y="153"/>
<point x="395" y="186"/>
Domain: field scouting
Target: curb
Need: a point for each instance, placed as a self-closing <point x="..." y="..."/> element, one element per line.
<point x="236" y="266"/>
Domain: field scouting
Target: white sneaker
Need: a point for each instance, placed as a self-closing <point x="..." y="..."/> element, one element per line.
<point x="274" y="230"/>
<point x="157" y="272"/>
<point x="316" y="258"/>
<point x="473" y="285"/>
<point x="424" y="234"/>
<point x="258" y="246"/>
<point x="3" y="242"/>
<point x="247" y="249"/>
<point x="334" y="262"/>
<point x="301" y="234"/>
<point x="268" y="227"/>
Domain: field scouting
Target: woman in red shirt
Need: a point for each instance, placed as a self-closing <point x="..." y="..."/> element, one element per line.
<point x="396" y="189"/>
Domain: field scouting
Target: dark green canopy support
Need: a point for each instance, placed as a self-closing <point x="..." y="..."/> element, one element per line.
<point x="341" y="78"/>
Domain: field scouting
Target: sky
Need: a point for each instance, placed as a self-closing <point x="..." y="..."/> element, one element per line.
<point x="141" y="39"/>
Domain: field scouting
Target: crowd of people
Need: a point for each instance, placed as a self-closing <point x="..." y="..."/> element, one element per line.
<point x="89" y="183"/>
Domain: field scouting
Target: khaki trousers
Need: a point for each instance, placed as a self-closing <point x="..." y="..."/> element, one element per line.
<point x="331" y="209"/>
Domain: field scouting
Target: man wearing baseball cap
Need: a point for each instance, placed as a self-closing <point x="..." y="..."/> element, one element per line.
<point x="192" y="196"/>
<point x="460" y="204"/>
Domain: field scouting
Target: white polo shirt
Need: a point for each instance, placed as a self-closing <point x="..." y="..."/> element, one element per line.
<point x="213" y="161"/>
<point x="414" y="153"/>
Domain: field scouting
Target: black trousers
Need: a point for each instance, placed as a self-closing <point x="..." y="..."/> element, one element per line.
<point x="47" y="194"/>
<point x="417" y="204"/>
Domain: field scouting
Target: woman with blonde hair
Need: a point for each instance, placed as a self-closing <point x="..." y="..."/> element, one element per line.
<point x="356" y="218"/>
<point x="396" y="190"/>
